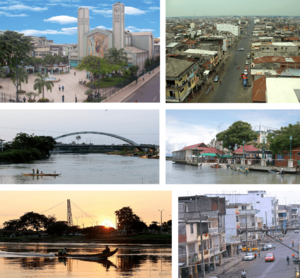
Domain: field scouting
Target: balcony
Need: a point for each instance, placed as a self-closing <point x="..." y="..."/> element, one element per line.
<point x="213" y="230"/>
<point x="193" y="259"/>
<point x="182" y="98"/>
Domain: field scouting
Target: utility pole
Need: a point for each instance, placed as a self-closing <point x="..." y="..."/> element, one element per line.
<point x="246" y="232"/>
<point x="161" y="220"/>
<point x="202" y="252"/>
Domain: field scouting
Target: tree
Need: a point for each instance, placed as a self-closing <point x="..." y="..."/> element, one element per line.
<point x="236" y="133"/>
<point x="78" y="137"/>
<point x="258" y="145"/>
<point x="280" y="139"/>
<point x="117" y="57"/>
<point x="170" y="223"/>
<point x="34" y="221"/>
<point x="138" y="226"/>
<point x="126" y="218"/>
<point x="14" y="47"/>
<point x="58" y="59"/>
<point x="154" y="226"/>
<point x="73" y="229"/>
<point x="22" y="75"/>
<point x="57" y="228"/>
<point x="131" y="72"/>
<point x="40" y="83"/>
<point x="49" y="59"/>
<point x="148" y="63"/>
<point x="97" y="65"/>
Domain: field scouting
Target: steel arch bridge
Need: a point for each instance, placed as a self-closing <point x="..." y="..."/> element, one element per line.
<point x="100" y="133"/>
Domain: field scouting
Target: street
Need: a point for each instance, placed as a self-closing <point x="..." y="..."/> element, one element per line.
<point x="149" y="92"/>
<point x="277" y="269"/>
<point x="231" y="89"/>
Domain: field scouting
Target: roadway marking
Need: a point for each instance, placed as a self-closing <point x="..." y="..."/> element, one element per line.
<point x="154" y="99"/>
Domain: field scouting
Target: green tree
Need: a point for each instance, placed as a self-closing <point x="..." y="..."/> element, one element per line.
<point x="236" y="133"/>
<point x="22" y="75"/>
<point x="131" y="72"/>
<point x="280" y="139"/>
<point x="258" y="145"/>
<point x="78" y="137"/>
<point x="40" y="83"/>
<point x="126" y="218"/>
<point x="148" y="63"/>
<point x="97" y="65"/>
<point x="117" y="57"/>
<point x="49" y="59"/>
<point x="58" y="59"/>
<point x="154" y="226"/>
<point x="57" y="228"/>
<point x="14" y="47"/>
<point x="138" y="226"/>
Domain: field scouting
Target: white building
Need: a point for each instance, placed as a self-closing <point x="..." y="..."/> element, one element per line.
<point x="267" y="206"/>
<point x="229" y="28"/>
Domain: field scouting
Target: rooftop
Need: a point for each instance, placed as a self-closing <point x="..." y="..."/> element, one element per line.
<point x="175" y="67"/>
<point x="201" y="51"/>
<point x="134" y="49"/>
<point x="259" y="90"/>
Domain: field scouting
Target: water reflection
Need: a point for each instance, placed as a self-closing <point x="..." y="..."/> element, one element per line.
<point x="37" y="260"/>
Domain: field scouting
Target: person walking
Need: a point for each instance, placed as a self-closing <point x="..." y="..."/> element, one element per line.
<point x="24" y="99"/>
<point x="59" y="87"/>
<point x="212" y="87"/>
<point x="259" y="253"/>
<point x="288" y="260"/>
<point x="63" y="98"/>
<point x="75" y="98"/>
<point x="220" y="82"/>
<point x="74" y="72"/>
<point x="63" y="88"/>
<point x="292" y="243"/>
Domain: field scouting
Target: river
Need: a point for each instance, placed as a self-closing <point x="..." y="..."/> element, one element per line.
<point x="38" y="260"/>
<point x="187" y="174"/>
<point x="84" y="169"/>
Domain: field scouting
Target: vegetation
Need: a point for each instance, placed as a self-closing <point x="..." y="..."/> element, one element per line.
<point x="27" y="147"/>
<point x="115" y="56"/>
<point x="21" y="75"/>
<point x="126" y="218"/>
<point x="236" y="133"/>
<point x="280" y="139"/>
<point x="40" y="83"/>
<point x="131" y="72"/>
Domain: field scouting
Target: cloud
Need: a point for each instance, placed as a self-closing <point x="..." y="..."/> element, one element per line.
<point x="106" y="13"/>
<point x="180" y="134"/>
<point x="103" y="27"/>
<point x="134" y="29"/>
<point x="152" y="22"/>
<point x="62" y="19"/>
<point x="23" y="7"/>
<point x="63" y="31"/>
<point x="105" y="5"/>
<point x="12" y="15"/>
<point x="133" y="11"/>
<point x="147" y="1"/>
<point x="154" y="8"/>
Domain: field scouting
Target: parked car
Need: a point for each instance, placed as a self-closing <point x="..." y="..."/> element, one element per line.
<point x="296" y="231"/>
<point x="245" y="72"/>
<point x="241" y="49"/>
<point x="270" y="257"/>
<point x="265" y="247"/>
<point x="247" y="62"/>
<point x="249" y="257"/>
<point x="251" y="249"/>
<point x="216" y="79"/>
<point x="269" y="245"/>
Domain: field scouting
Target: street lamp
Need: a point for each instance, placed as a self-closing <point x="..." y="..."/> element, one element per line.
<point x="243" y="147"/>
<point x="264" y="140"/>
<point x="1" y="140"/>
<point x="161" y="220"/>
<point x="291" y="138"/>
<point x="99" y="83"/>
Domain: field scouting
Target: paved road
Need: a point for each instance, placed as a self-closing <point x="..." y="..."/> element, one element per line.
<point x="260" y="269"/>
<point x="150" y="92"/>
<point x="231" y="89"/>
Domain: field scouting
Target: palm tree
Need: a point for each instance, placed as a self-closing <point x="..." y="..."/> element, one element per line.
<point x="22" y="76"/>
<point x="116" y="56"/>
<point x="78" y="137"/>
<point x="40" y="83"/>
<point x="89" y="93"/>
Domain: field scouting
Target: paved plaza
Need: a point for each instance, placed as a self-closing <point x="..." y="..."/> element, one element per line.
<point x="72" y="88"/>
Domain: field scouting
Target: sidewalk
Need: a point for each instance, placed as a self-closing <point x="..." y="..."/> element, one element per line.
<point x="132" y="87"/>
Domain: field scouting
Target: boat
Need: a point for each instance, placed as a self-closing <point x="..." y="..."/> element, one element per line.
<point x="41" y="175"/>
<point x="216" y="165"/>
<point x="96" y="256"/>
<point x="274" y="172"/>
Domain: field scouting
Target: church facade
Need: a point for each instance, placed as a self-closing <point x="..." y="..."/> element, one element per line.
<point x="139" y="45"/>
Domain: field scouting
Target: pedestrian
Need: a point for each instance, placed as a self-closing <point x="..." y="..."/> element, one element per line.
<point x="220" y="82"/>
<point x="59" y="87"/>
<point x="292" y="243"/>
<point x="136" y="81"/>
<point x="212" y="87"/>
<point x="75" y="98"/>
<point x="255" y="256"/>
<point x="149" y="72"/>
<point x="24" y="99"/>
<point x="74" y="72"/>
<point x="62" y="88"/>
<point x="63" y="98"/>
<point x="143" y="78"/>
<point x="136" y="101"/>
<point x="259" y="254"/>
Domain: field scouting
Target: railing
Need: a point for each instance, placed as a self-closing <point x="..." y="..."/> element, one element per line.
<point x="215" y="250"/>
<point x="193" y="258"/>
<point x="213" y="230"/>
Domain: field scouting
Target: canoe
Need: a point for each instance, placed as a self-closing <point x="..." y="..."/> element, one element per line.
<point x="274" y="172"/>
<point x="99" y="255"/>
<point x="41" y="175"/>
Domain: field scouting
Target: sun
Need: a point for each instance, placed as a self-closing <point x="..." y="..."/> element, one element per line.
<point x="107" y="223"/>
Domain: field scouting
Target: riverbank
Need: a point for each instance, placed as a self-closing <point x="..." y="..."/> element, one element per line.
<point x="115" y="239"/>
<point x="20" y="156"/>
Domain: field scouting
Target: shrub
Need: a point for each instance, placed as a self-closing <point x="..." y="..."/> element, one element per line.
<point x="31" y="100"/>
<point x="21" y="92"/>
<point x="43" y="100"/>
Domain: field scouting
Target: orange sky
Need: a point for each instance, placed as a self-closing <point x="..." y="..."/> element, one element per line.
<point x="100" y="205"/>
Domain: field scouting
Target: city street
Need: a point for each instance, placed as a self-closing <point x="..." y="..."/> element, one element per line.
<point x="231" y="90"/>
<point x="261" y="269"/>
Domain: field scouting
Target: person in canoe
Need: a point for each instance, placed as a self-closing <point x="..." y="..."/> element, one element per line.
<point x="33" y="171"/>
<point x="281" y="172"/>
<point x="106" y="250"/>
<point x="62" y="252"/>
<point x="37" y="171"/>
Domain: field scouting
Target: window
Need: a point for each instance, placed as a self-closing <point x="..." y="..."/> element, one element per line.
<point x="186" y="209"/>
<point x="182" y="90"/>
<point x="204" y="245"/>
<point x="192" y="228"/>
<point x="263" y="49"/>
<point x="172" y="94"/>
<point x="237" y="218"/>
<point x="210" y="243"/>
<point x="244" y="207"/>
<point x="279" y="157"/>
<point x="298" y="153"/>
<point x="275" y="49"/>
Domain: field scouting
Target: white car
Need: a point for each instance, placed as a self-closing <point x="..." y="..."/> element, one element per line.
<point x="245" y="72"/>
<point x="241" y="49"/>
<point x="247" y="62"/>
<point x="249" y="257"/>
<point x="296" y="231"/>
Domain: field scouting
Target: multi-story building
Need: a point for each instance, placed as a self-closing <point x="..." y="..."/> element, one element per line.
<point x="201" y="234"/>
<point x="235" y="30"/>
<point x="282" y="216"/>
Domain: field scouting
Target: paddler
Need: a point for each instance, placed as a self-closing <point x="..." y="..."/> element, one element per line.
<point x="106" y="250"/>
<point x="62" y="251"/>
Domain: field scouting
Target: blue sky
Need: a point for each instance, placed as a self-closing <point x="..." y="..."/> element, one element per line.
<point x="187" y="127"/>
<point x="176" y="8"/>
<point x="57" y="19"/>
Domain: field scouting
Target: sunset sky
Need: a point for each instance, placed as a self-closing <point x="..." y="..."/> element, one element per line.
<point x="99" y="205"/>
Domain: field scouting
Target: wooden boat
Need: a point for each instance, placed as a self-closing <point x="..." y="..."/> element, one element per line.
<point x="96" y="256"/>
<point x="41" y="175"/>
<point x="274" y="172"/>
<point x="215" y="166"/>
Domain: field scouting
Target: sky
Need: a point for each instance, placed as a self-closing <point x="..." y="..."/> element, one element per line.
<point x="57" y="20"/>
<point x="98" y="205"/>
<point x="176" y="8"/>
<point x="285" y="197"/>
<point x="188" y="127"/>
<point x="141" y="126"/>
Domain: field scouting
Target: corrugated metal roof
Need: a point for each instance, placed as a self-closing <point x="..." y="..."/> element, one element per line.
<point x="172" y="44"/>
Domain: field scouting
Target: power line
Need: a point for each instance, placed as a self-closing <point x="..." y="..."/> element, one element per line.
<point x="83" y="211"/>
<point x="53" y="207"/>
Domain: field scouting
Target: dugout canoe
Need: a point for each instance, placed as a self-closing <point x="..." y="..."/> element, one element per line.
<point x="99" y="255"/>
<point x="41" y="175"/>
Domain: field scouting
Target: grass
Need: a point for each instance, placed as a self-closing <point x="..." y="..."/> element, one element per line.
<point x="107" y="82"/>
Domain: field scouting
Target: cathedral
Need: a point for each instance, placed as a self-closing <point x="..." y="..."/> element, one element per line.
<point x="138" y="46"/>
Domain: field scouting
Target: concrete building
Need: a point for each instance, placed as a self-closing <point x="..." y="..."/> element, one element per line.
<point x="202" y="242"/>
<point x="267" y="207"/>
<point x="229" y="28"/>
<point x="138" y="46"/>
<point x="282" y="217"/>
<point x="285" y="49"/>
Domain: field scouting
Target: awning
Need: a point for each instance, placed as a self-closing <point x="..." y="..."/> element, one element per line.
<point x="206" y="72"/>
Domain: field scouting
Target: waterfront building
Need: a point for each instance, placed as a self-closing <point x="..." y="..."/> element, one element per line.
<point x="282" y="216"/>
<point x="138" y="46"/>
<point x="234" y="29"/>
<point x="281" y="159"/>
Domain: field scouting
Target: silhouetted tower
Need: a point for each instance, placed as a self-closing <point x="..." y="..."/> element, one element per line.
<point x="70" y="219"/>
